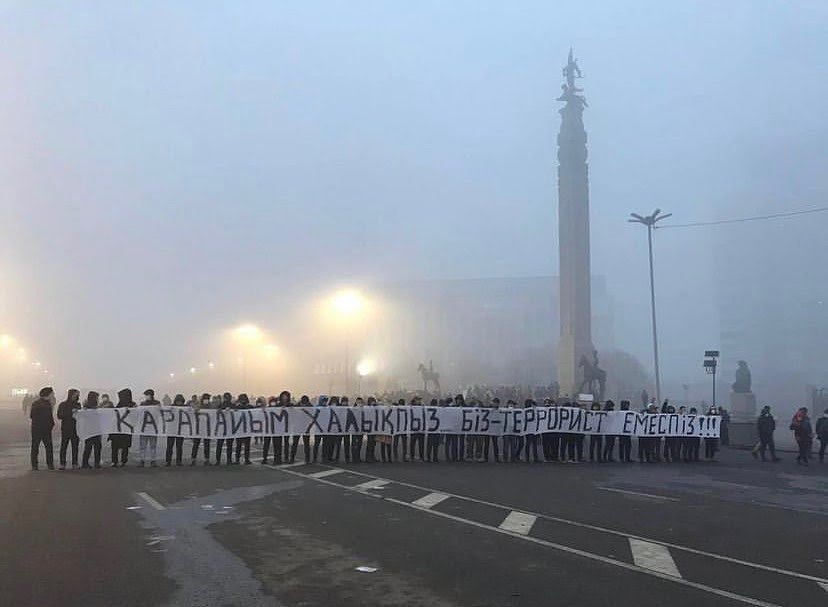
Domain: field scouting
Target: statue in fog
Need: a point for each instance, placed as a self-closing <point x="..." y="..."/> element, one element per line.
<point x="429" y="375"/>
<point x="742" y="383"/>
<point x="595" y="378"/>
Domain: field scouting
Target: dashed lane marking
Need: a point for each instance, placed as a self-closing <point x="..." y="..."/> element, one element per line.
<point x="151" y="501"/>
<point x="648" y="495"/>
<point x="325" y="473"/>
<point x="653" y="556"/>
<point x="528" y="538"/>
<point x="623" y="534"/>
<point x="377" y="483"/>
<point x="518" y="522"/>
<point x="431" y="500"/>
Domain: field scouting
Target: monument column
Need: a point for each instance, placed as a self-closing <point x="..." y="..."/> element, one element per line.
<point x="573" y="236"/>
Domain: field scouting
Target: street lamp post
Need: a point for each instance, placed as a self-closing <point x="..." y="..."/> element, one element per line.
<point x="650" y="221"/>
<point x="710" y="363"/>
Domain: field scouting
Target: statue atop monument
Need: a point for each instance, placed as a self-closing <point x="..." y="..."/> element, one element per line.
<point x="743" y="379"/>
<point x="571" y="71"/>
<point x="593" y="374"/>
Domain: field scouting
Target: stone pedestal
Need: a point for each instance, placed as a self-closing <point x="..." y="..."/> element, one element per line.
<point x="743" y="407"/>
<point x="743" y="434"/>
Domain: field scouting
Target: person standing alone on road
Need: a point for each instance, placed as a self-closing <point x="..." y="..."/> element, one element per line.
<point x="804" y="435"/>
<point x="822" y="435"/>
<point x="42" y="423"/>
<point x="69" y="427"/>
<point x="766" y="426"/>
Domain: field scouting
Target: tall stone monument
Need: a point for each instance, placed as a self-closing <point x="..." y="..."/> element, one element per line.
<point x="573" y="237"/>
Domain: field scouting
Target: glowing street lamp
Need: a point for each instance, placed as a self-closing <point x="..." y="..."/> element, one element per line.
<point x="248" y="333"/>
<point x="365" y="367"/>
<point x="347" y="304"/>
<point x="6" y="341"/>
<point x="211" y="365"/>
<point x="193" y="370"/>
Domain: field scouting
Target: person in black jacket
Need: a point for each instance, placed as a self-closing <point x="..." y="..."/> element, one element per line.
<point x="69" y="427"/>
<point x="822" y="434"/>
<point x="121" y="442"/>
<point x="243" y="443"/>
<point x="93" y="443"/>
<point x="205" y="403"/>
<point x="625" y="441"/>
<point x="42" y="423"/>
<point x="766" y="426"/>
<point x="175" y="442"/>
<point x="609" y="441"/>
<point x="226" y="405"/>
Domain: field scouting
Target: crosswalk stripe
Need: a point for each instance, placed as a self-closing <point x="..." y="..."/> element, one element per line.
<point x="518" y="522"/>
<point x="374" y="484"/>
<point x="653" y="556"/>
<point x="430" y="500"/>
<point x="325" y="473"/>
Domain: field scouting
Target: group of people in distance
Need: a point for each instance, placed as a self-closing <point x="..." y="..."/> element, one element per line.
<point x="356" y="448"/>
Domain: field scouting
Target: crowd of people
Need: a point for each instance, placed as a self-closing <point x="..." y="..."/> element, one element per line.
<point x="372" y="448"/>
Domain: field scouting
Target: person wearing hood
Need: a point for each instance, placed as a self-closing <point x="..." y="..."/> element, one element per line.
<point x="304" y="401"/>
<point x="42" y="423"/>
<point x="320" y="440"/>
<point x="227" y="405"/>
<point x="69" y="427"/>
<point x="93" y="443"/>
<point x="822" y="435"/>
<point x="121" y="442"/>
<point x="175" y="442"/>
<point x="206" y="403"/>
<point x="148" y="445"/>
<point x="243" y="443"/>
<point x="766" y="426"/>
<point x="804" y="435"/>
<point x="105" y="402"/>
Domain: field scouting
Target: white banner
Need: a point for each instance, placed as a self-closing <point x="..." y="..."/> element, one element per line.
<point x="285" y="421"/>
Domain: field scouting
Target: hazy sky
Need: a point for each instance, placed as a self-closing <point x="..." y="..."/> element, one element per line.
<point x="168" y="167"/>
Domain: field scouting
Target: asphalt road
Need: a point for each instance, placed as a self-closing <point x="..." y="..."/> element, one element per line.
<point x="735" y="532"/>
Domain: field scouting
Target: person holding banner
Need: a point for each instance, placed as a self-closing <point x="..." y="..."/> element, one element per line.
<point x="417" y="438"/>
<point x="68" y="427"/>
<point x="92" y="443"/>
<point x="319" y="440"/>
<point x="243" y="443"/>
<point x="227" y="404"/>
<point x="304" y="401"/>
<point x="531" y="439"/>
<point x="433" y="440"/>
<point x="371" y="440"/>
<point x="175" y="442"/>
<point x="711" y="445"/>
<point x="148" y="445"/>
<point x="205" y="403"/>
<point x="625" y="442"/>
<point x="121" y="442"/>
<point x="400" y="439"/>
<point x="357" y="439"/>
<point x="277" y="450"/>
<point x="609" y="441"/>
<point x="596" y="441"/>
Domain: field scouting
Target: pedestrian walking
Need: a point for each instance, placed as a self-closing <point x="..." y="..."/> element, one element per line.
<point x="803" y="434"/>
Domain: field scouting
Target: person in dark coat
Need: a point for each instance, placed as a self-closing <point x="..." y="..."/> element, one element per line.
<point x="804" y="435"/>
<point x="93" y="443"/>
<point x="175" y="442"/>
<point x="609" y="441"/>
<point x="766" y="426"/>
<point x="228" y="405"/>
<point x="69" y="427"/>
<point x="822" y="435"/>
<point x="243" y="443"/>
<point x="42" y="423"/>
<point x="121" y="442"/>
<point x="206" y="403"/>
<point x="625" y="441"/>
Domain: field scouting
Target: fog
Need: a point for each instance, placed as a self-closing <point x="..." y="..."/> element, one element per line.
<point x="170" y="171"/>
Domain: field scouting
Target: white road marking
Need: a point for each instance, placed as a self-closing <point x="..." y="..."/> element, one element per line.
<point x="377" y="483"/>
<point x="430" y="500"/>
<point x="653" y="556"/>
<point x="626" y="535"/>
<point x="824" y="585"/>
<point x="293" y="465"/>
<point x="649" y="495"/>
<point x="151" y="501"/>
<point x="518" y="522"/>
<point x="324" y="473"/>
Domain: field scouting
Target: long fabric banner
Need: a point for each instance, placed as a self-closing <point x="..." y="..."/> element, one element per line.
<point x="187" y="422"/>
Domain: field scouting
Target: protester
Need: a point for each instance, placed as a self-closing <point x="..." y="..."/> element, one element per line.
<point x="227" y="404"/>
<point x="121" y="442"/>
<point x="205" y="403"/>
<point x="148" y="445"/>
<point x="822" y="435"/>
<point x="766" y="426"/>
<point x="243" y="443"/>
<point x="93" y="443"/>
<point x="625" y="442"/>
<point x="68" y="427"/>
<point x="609" y="441"/>
<point x="711" y="444"/>
<point x="803" y="434"/>
<point x="42" y="423"/>
<point x="175" y="442"/>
